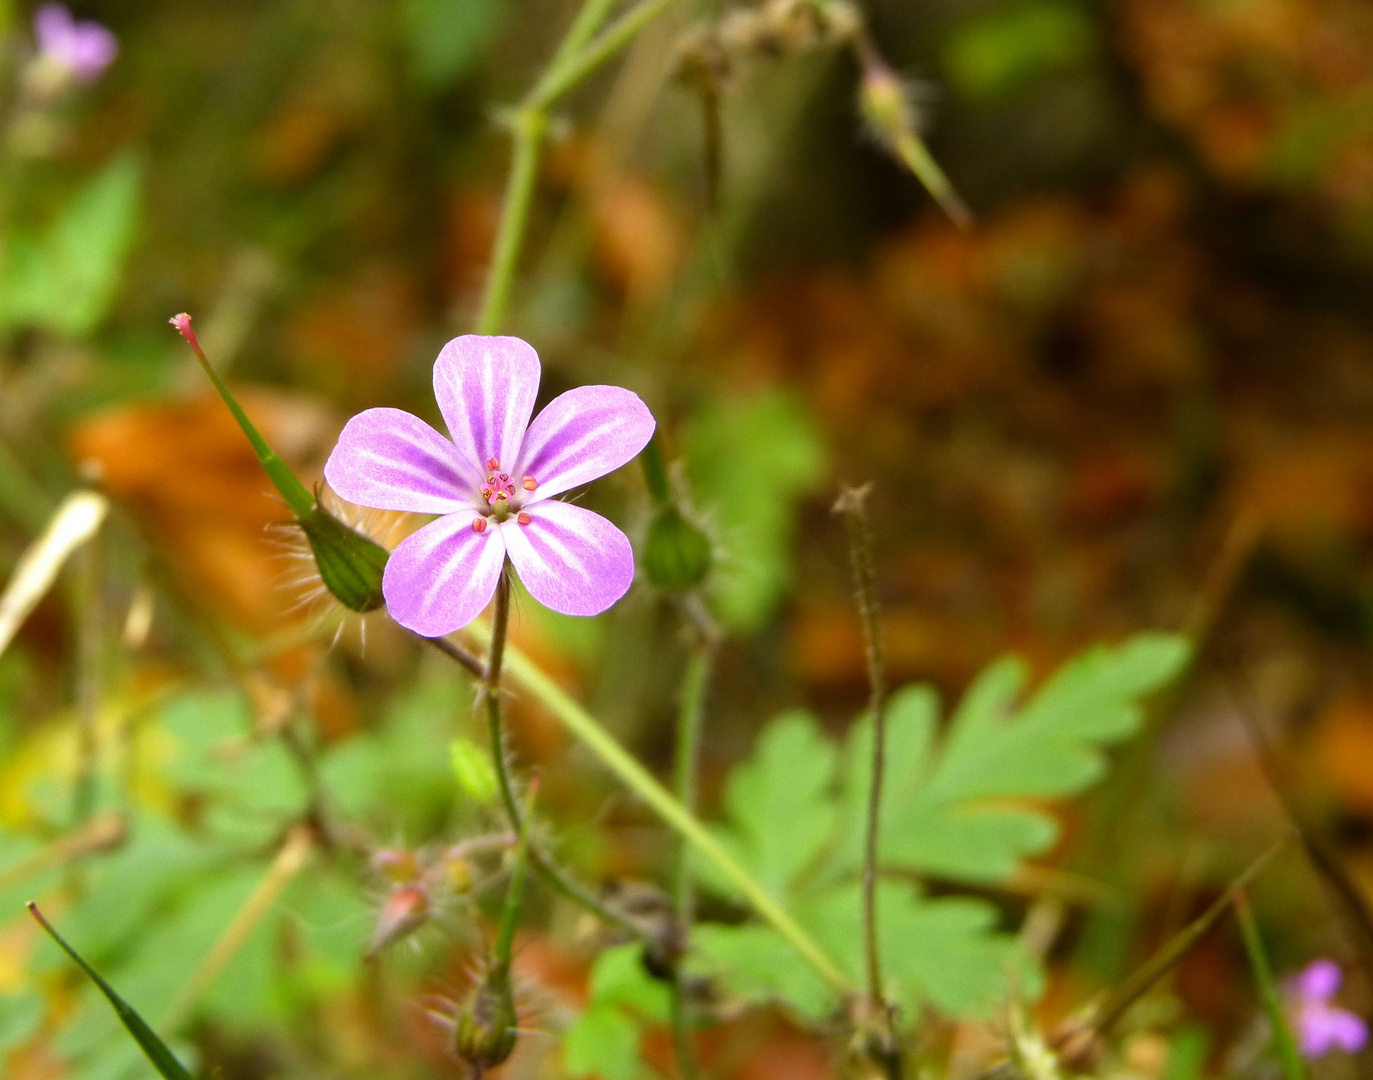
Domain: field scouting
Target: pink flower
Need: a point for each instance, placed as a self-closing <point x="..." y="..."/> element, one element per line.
<point x="1321" y="1027"/>
<point x="493" y="484"/>
<point x="83" y="47"/>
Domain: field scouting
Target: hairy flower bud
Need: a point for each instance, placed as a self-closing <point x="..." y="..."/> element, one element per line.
<point x="404" y="912"/>
<point x="484" y="1035"/>
<point x="677" y="554"/>
<point x="350" y="564"/>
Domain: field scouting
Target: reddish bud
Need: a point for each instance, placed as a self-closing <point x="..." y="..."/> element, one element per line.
<point x="403" y="913"/>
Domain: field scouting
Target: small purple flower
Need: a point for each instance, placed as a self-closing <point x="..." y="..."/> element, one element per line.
<point x="83" y="47"/>
<point x="493" y="485"/>
<point x="1321" y="1027"/>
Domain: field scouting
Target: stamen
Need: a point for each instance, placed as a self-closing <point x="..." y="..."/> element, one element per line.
<point x="479" y="525"/>
<point x="523" y="518"/>
<point x="529" y="483"/>
<point x="492" y="464"/>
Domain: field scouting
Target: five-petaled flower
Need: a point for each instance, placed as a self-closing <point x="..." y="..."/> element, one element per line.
<point x="82" y="47"/>
<point x="493" y="484"/>
<point x="1321" y="1026"/>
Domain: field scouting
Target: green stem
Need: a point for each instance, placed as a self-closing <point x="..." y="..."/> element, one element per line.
<point x="587" y="21"/>
<point x="510" y="913"/>
<point x="689" y="720"/>
<point x="531" y="124"/>
<point x="544" y="864"/>
<point x="1283" y="1042"/>
<point x="639" y="780"/>
<point x="288" y="485"/>
<point x="563" y="77"/>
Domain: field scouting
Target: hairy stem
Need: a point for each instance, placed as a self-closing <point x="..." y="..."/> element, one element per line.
<point x="640" y="781"/>
<point x="689" y="720"/>
<point x="852" y="504"/>
<point x="543" y="863"/>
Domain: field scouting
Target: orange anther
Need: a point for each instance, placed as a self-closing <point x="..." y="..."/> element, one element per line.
<point x="523" y="518"/>
<point x="529" y="483"/>
<point x="492" y="463"/>
<point x="479" y="525"/>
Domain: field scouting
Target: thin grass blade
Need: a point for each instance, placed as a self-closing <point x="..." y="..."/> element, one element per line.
<point x="162" y="1059"/>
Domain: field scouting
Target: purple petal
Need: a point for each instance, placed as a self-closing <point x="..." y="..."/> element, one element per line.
<point x="1318" y="981"/>
<point x="91" y="50"/>
<point x="440" y="579"/>
<point x="1347" y="1031"/>
<point x="52" y="27"/>
<point x="583" y="434"/>
<point x="1314" y="1032"/>
<point x="570" y="559"/>
<point x="486" y="388"/>
<point x="394" y="461"/>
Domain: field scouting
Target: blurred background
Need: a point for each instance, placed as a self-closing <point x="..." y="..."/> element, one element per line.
<point x="1136" y="393"/>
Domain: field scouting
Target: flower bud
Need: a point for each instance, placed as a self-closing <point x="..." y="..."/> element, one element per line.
<point x="350" y="565"/>
<point x="404" y="912"/>
<point x="484" y="1035"/>
<point x="677" y="554"/>
<point x="396" y="864"/>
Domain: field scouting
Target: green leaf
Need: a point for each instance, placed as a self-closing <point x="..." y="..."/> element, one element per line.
<point x="603" y="1042"/>
<point x="162" y="1058"/>
<point x="952" y="806"/>
<point x="750" y="461"/>
<point x="619" y="978"/>
<point x="63" y="278"/>
<point x="948" y="952"/>
<point x="779" y="803"/>
<point x="951" y="809"/>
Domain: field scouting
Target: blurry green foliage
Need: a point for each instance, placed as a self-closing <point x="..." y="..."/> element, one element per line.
<point x="751" y="460"/>
<point x="474" y="771"/>
<point x="995" y="54"/>
<point x="604" y="1040"/>
<point x="795" y="815"/>
<point x="62" y="276"/>
<point x="445" y="40"/>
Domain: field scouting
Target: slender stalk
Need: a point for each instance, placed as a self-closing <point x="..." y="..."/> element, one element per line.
<point x="639" y="780"/>
<point x="289" y="862"/>
<point x="563" y="77"/>
<point x="458" y="653"/>
<point x="1076" y="1039"/>
<point x="587" y="21"/>
<point x="514" y="894"/>
<point x="689" y="721"/>
<point x="852" y="504"/>
<point x="1283" y="1042"/>
<point x="288" y="485"/>
<point x="546" y="867"/>
<point x="531" y="124"/>
<point x="89" y="639"/>
<point x="104" y="832"/>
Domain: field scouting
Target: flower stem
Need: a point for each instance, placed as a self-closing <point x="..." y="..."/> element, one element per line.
<point x="576" y="58"/>
<point x="852" y="504"/>
<point x="530" y="127"/>
<point x="689" y="720"/>
<point x="1283" y="1042"/>
<point x="562" y="77"/>
<point x="639" y="780"/>
<point x="543" y="864"/>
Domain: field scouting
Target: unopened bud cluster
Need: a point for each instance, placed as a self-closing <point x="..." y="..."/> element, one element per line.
<point x="776" y="28"/>
<point x="417" y="887"/>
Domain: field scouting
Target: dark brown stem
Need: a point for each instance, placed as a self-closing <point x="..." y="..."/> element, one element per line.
<point x="852" y="504"/>
<point x="458" y="653"/>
